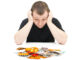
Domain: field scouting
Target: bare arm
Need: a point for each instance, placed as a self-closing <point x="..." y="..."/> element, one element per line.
<point x="23" y="33"/>
<point x="58" y="34"/>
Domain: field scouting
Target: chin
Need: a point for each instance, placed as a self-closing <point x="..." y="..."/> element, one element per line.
<point x="40" y="27"/>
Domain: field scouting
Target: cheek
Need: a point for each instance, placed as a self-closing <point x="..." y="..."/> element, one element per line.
<point x="36" y="22"/>
<point x="45" y="21"/>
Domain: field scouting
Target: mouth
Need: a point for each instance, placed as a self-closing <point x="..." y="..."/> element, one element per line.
<point x="40" y="27"/>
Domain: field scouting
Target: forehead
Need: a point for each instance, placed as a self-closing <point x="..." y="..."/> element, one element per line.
<point x="36" y="15"/>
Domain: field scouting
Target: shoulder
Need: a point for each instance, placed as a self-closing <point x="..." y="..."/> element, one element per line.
<point x="57" y="23"/>
<point x="25" y="20"/>
<point x="54" y="19"/>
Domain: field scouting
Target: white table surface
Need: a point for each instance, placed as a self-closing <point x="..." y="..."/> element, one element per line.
<point x="39" y="45"/>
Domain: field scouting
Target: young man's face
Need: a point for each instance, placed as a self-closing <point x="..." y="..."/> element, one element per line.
<point x="40" y="20"/>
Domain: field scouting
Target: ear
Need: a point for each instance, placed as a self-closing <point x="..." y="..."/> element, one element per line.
<point x="48" y="15"/>
<point x="32" y="13"/>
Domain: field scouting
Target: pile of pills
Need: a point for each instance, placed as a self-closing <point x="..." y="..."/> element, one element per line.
<point x="37" y="53"/>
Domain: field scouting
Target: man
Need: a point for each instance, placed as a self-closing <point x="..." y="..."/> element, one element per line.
<point x="40" y="26"/>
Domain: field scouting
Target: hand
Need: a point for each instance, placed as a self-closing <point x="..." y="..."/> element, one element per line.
<point x="50" y="17"/>
<point x="30" y="16"/>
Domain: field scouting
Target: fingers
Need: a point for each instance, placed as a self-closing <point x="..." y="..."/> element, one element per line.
<point x="30" y="16"/>
<point x="50" y="14"/>
<point x="29" y="13"/>
<point x="50" y="17"/>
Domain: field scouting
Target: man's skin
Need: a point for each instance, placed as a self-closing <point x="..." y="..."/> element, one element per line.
<point x="40" y="21"/>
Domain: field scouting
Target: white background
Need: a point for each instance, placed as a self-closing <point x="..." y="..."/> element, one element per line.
<point x="12" y="12"/>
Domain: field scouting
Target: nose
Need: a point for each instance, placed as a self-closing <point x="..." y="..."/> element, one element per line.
<point x="40" y="23"/>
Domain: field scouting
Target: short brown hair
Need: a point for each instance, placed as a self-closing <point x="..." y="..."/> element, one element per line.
<point x="40" y="7"/>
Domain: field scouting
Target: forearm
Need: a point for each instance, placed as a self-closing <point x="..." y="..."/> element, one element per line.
<point x="58" y="34"/>
<point x="23" y="33"/>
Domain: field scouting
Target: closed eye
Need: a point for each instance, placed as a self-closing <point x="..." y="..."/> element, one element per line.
<point x="36" y="19"/>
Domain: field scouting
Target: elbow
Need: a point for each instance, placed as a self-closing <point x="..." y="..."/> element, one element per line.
<point x="64" y="40"/>
<point x="17" y="42"/>
<point x="62" y="43"/>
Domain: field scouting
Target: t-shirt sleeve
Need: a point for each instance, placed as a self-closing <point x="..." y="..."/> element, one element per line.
<point x="23" y="23"/>
<point x="57" y="23"/>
